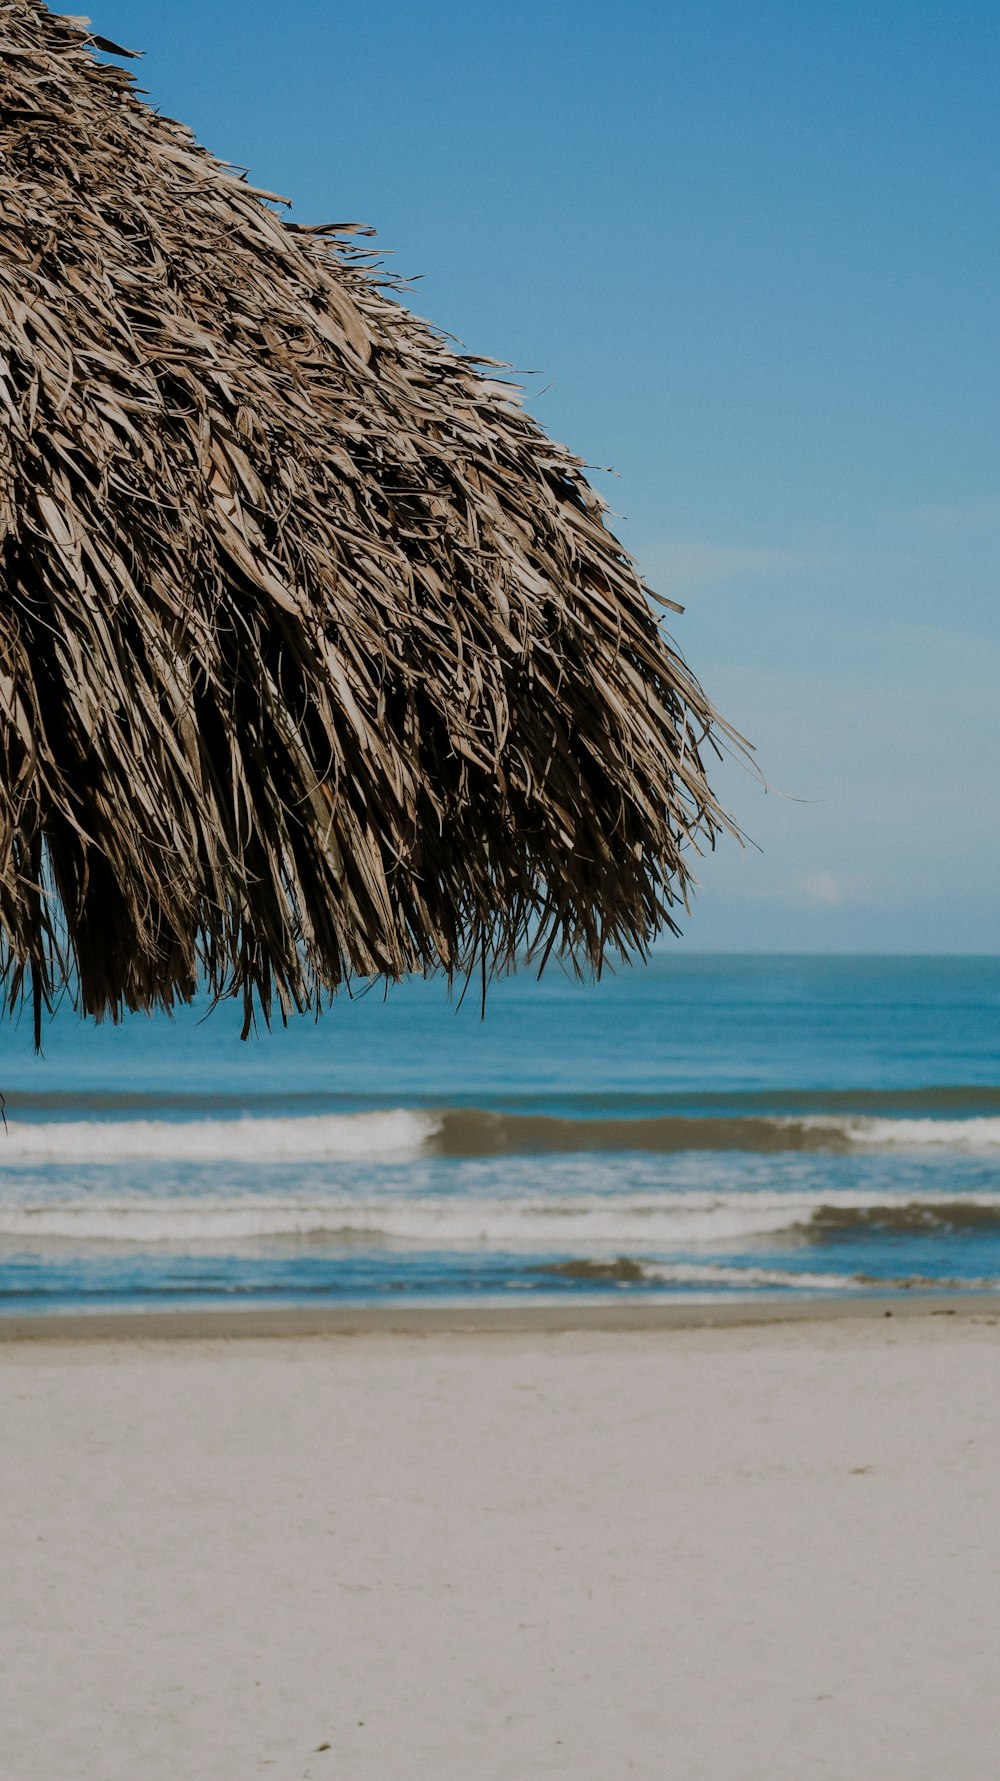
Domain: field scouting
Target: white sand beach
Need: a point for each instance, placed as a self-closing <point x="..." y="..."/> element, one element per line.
<point x="758" y="1553"/>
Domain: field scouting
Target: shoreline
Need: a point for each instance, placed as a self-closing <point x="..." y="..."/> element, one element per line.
<point x="296" y="1322"/>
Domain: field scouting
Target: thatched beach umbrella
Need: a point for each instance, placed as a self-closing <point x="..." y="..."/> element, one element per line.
<point x="317" y="659"/>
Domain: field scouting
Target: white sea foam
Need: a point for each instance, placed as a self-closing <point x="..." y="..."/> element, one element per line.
<point x="346" y="1137"/>
<point x="716" y="1274"/>
<point x="976" y="1134"/>
<point x="633" y="1224"/>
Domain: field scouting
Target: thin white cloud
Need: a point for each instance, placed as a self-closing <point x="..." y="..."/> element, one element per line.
<point x="823" y="890"/>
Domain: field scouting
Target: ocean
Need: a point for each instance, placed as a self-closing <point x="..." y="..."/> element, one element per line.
<point x="702" y="1125"/>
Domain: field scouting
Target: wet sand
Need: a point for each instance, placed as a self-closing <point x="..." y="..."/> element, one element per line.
<point x="527" y="1316"/>
<point x="756" y="1550"/>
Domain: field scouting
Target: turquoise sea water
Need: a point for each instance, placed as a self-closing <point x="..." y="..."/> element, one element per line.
<point x="705" y="1124"/>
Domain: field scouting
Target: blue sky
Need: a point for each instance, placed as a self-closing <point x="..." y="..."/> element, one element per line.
<point x="752" y="254"/>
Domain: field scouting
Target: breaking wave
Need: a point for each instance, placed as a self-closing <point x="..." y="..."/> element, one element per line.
<point x="401" y="1134"/>
<point x="476" y="1133"/>
<point x="624" y="1271"/>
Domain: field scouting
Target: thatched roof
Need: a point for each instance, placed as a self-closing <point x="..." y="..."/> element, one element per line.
<point x="317" y="659"/>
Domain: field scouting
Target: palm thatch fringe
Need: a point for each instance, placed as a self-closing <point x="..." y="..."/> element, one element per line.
<point x="317" y="660"/>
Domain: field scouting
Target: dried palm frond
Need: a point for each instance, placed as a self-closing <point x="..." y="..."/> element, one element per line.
<point x="317" y="659"/>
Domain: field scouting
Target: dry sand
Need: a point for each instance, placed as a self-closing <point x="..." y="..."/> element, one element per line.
<point x="759" y="1553"/>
